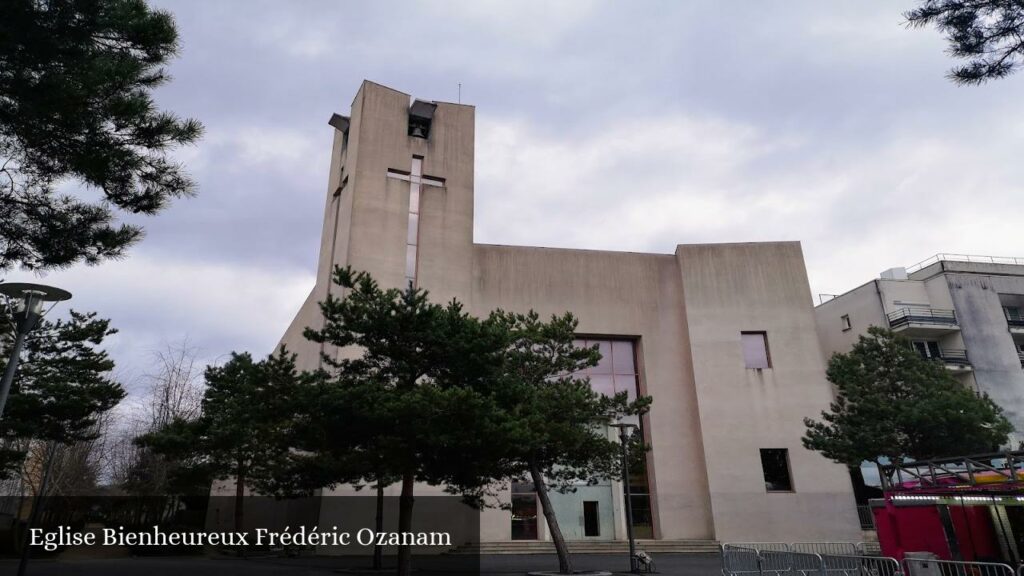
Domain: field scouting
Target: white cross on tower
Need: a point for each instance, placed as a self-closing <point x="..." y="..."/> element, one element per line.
<point x="416" y="180"/>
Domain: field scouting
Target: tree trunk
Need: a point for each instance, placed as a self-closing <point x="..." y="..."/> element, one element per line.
<point x="378" y="550"/>
<point x="564" y="562"/>
<point x="240" y="502"/>
<point x="405" y="503"/>
<point x="37" y="504"/>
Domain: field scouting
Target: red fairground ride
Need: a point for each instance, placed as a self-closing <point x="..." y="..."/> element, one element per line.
<point x="966" y="508"/>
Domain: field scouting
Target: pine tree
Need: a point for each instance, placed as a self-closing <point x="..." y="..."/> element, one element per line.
<point x="76" y="83"/>
<point x="335" y="442"/>
<point x="989" y="34"/>
<point x="552" y="427"/>
<point x="245" y="430"/>
<point x="418" y="370"/>
<point x="62" y="387"/>
<point x="892" y="403"/>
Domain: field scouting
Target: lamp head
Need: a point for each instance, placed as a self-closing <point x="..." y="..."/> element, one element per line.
<point x="624" y="428"/>
<point x="27" y="301"/>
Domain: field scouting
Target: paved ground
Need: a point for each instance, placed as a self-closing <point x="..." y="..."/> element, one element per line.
<point x="668" y="564"/>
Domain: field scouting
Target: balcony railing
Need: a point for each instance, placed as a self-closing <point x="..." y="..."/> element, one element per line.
<point x="1021" y="356"/>
<point x="920" y="315"/>
<point x="965" y="258"/>
<point x="1014" y="322"/>
<point x="950" y="356"/>
<point x="954" y="356"/>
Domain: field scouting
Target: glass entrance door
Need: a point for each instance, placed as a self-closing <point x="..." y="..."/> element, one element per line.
<point x="591" y="518"/>
<point x="524" y="511"/>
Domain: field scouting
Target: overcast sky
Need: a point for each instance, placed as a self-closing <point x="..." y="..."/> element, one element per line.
<point x="632" y="125"/>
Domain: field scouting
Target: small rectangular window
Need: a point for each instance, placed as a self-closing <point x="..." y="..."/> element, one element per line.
<point x="755" y="349"/>
<point x="845" y="319"/>
<point x="775" y="464"/>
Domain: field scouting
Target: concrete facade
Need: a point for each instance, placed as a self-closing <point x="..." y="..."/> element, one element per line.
<point x="683" y="312"/>
<point x="969" y="307"/>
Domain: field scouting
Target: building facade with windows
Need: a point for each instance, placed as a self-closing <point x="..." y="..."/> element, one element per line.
<point x="964" y="311"/>
<point x="720" y="335"/>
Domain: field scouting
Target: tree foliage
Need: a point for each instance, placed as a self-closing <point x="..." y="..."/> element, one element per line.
<point x="246" y="415"/>
<point x="989" y="34"/>
<point x="244" y="430"/>
<point x="408" y="369"/>
<point x="76" y="82"/>
<point x="552" y="428"/>
<point x="168" y="461"/>
<point x="402" y="370"/>
<point x="62" y="387"/>
<point x="893" y="403"/>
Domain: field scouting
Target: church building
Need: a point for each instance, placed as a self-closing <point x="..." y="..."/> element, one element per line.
<point x="721" y="336"/>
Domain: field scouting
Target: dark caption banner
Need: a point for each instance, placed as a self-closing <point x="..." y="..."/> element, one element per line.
<point x="198" y="535"/>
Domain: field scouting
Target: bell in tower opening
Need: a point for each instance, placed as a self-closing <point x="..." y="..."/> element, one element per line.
<point x="420" y="115"/>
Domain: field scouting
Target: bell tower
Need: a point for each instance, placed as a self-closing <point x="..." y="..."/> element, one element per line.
<point x="400" y="193"/>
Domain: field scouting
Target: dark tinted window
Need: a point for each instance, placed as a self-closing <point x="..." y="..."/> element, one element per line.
<point x="775" y="464"/>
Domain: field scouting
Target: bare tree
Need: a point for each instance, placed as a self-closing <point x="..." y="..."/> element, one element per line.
<point x="175" y="391"/>
<point x="175" y="385"/>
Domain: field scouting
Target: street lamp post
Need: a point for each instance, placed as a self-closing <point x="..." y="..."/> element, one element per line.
<point x="624" y="440"/>
<point x="26" y="302"/>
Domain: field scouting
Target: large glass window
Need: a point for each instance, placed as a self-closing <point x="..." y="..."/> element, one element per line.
<point x="615" y="373"/>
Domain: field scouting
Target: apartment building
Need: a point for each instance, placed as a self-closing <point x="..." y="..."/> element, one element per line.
<point x="964" y="311"/>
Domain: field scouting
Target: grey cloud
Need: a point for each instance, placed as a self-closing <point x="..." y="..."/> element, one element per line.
<point x="619" y="125"/>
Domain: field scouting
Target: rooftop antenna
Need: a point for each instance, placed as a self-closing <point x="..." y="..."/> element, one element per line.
<point x="460" y="92"/>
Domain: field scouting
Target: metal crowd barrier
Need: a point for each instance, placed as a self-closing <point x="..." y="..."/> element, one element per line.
<point x="807" y="564"/>
<point x="775" y="562"/>
<point x="809" y="559"/>
<point x="760" y="546"/>
<point x="929" y="567"/>
<point x="739" y="560"/>
<point x="856" y="565"/>
<point x="869" y="549"/>
<point x="831" y="548"/>
<point x="841" y="559"/>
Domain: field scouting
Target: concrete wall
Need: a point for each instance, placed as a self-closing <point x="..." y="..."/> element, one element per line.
<point x="969" y="268"/>
<point x="730" y="288"/>
<point x="380" y="209"/>
<point x="898" y="294"/>
<point x="625" y="295"/>
<point x="307" y="353"/>
<point x="864" y="308"/>
<point x="365" y="221"/>
<point x="997" y="368"/>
